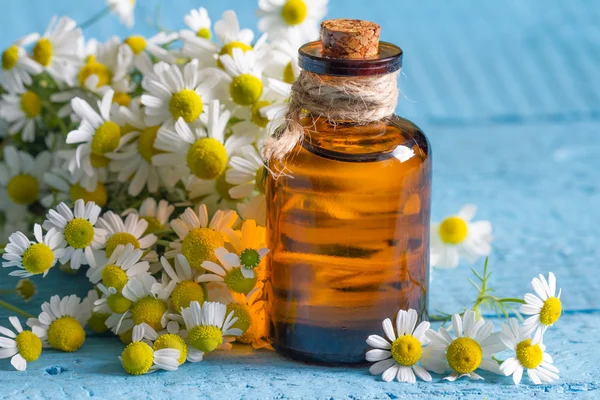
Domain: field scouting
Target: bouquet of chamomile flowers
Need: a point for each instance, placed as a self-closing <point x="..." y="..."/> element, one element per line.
<point x="139" y="160"/>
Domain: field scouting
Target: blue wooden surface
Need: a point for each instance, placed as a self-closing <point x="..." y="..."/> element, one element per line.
<point x="509" y="96"/>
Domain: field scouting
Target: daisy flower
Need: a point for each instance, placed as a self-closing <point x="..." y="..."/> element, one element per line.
<point x="157" y="215"/>
<point x="229" y="271"/>
<point x="199" y="22"/>
<point x="527" y="354"/>
<point x="545" y="308"/>
<point x="160" y="340"/>
<point x="458" y="236"/>
<point x="199" y="236"/>
<point x="186" y="289"/>
<point x="17" y="67"/>
<point x="251" y="249"/>
<point x="60" y="49"/>
<point x="69" y="186"/>
<point x="30" y="257"/>
<point x="133" y="161"/>
<point x="123" y="264"/>
<point x="143" y="49"/>
<point x="130" y="231"/>
<point x="246" y="174"/>
<point x="61" y="322"/>
<point x="206" y="326"/>
<point x="244" y="75"/>
<point x="285" y="59"/>
<point x="124" y="9"/>
<point x="140" y="358"/>
<point x="173" y="94"/>
<point x="252" y="318"/>
<point x="77" y="227"/>
<point x="21" y="180"/>
<point x="97" y="320"/>
<point x="21" y="347"/>
<point x="291" y="18"/>
<point x="472" y="348"/>
<point x="25" y="289"/>
<point x="397" y="357"/>
<point x="23" y="111"/>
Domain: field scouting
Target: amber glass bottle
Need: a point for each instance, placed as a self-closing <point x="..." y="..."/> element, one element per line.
<point x="348" y="225"/>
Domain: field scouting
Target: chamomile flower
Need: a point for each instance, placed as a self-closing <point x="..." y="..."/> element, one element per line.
<point x="230" y="271"/>
<point x="123" y="232"/>
<point x="206" y="327"/>
<point x="22" y="347"/>
<point x="143" y="49"/>
<point x="60" y="49"/>
<point x="97" y="320"/>
<point x="23" y="111"/>
<point x="252" y="318"/>
<point x="124" y="9"/>
<point x="285" y="59"/>
<point x="527" y="354"/>
<point x="61" y="322"/>
<point x="21" y="180"/>
<point x="156" y="214"/>
<point x="246" y="173"/>
<point x="165" y="340"/>
<point x="458" y="236"/>
<point x="77" y="227"/>
<point x="17" y="67"/>
<point x="123" y="264"/>
<point x="470" y="349"/>
<point x="174" y="94"/>
<point x="199" y="236"/>
<point x="397" y="357"/>
<point x="69" y="186"/>
<point x="186" y="289"/>
<point x="26" y="289"/>
<point x="291" y="18"/>
<point x="544" y="307"/>
<point x="140" y="358"/>
<point x="33" y="258"/>
<point x="199" y="22"/>
<point x="148" y="305"/>
<point x="244" y="75"/>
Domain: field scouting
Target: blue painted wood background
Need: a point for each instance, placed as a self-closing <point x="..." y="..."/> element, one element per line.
<point x="509" y="95"/>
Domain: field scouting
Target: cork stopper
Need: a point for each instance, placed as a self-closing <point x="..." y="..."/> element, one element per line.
<point x="350" y="39"/>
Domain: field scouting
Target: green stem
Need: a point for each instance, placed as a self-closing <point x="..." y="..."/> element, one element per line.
<point x="8" y="291"/>
<point x="165" y="243"/>
<point x="95" y="18"/>
<point x="15" y="309"/>
<point x="497" y="360"/>
<point x="511" y="300"/>
<point x="205" y="290"/>
<point x="63" y="127"/>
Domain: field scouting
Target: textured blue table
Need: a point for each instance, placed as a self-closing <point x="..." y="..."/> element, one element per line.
<point x="509" y="96"/>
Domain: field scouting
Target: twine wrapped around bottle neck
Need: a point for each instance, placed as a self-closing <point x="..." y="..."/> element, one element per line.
<point x="361" y="99"/>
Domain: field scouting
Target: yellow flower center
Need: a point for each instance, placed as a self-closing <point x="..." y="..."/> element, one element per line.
<point x="42" y="52"/>
<point x="137" y="358"/>
<point x="97" y="322"/>
<point x="228" y="49"/>
<point x="93" y="67"/>
<point x="244" y="320"/>
<point x="153" y="225"/>
<point x="118" y="238"/>
<point x="185" y="292"/>
<point x="249" y="258"/>
<point x="237" y="283"/>
<point x="98" y="196"/>
<point x="114" y="276"/>
<point x="99" y="161"/>
<point x="294" y="12"/>
<point x="172" y="341"/>
<point x="118" y="303"/>
<point x="126" y="337"/>
<point x="222" y="187"/>
<point x="23" y="189"/>
<point x="10" y="57"/>
<point x="245" y="89"/>
<point x="26" y="289"/>
<point x="31" y="104"/>
<point x="79" y="233"/>
<point x="529" y="356"/>
<point x="38" y="258"/>
<point x="257" y="119"/>
<point x="204" y="33"/>
<point x="146" y="143"/>
<point x="122" y="99"/>
<point x="464" y="355"/>
<point x="137" y="43"/>
<point x="406" y="350"/>
<point x="259" y="180"/>
<point x="186" y="104"/>
<point x="29" y="345"/>
<point x="207" y="158"/>
<point x="66" y="334"/>
<point x="106" y="138"/>
<point x="205" y="338"/>
<point x="149" y="310"/>
<point x="199" y="245"/>
<point x="551" y="311"/>
<point x="453" y="230"/>
<point x="288" y="73"/>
